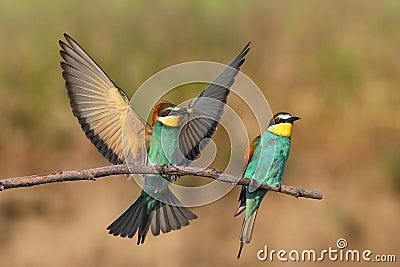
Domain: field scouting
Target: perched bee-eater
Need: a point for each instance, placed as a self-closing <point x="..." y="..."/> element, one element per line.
<point x="173" y="138"/>
<point x="266" y="161"/>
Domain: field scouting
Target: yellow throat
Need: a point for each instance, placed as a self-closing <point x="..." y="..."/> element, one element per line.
<point x="281" y="129"/>
<point x="171" y="121"/>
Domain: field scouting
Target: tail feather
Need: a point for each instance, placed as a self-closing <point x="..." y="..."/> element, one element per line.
<point x="242" y="202"/>
<point x="155" y="220"/>
<point x="172" y="218"/>
<point x="240" y="250"/>
<point x="163" y="218"/>
<point x="123" y="225"/>
<point x="185" y="212"/>
<point x="180" y="217"/>
<point x="164" y="223"/>
<point x="143" y="227"/>
<point x="131" y="225"/>
<point x="239" y="210"/>
<point x="246" y="231"/>
<point x="136" y="222"/>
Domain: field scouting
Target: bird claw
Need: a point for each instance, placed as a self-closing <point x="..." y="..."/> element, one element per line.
<point x="279" y="187"/>
<point x="163" y="167"/>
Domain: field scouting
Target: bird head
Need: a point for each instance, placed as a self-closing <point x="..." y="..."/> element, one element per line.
<point x="169" y="114"/>
<point x="282" y="124"/>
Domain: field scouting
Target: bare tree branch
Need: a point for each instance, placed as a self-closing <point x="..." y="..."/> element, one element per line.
<point x="92" y="174"/>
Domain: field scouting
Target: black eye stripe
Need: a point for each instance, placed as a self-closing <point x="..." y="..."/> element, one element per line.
<point x="278" y="120"/>
<point x="164" y="113"/>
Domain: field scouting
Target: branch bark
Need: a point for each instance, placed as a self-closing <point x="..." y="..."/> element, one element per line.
<point x="92" y="174"/>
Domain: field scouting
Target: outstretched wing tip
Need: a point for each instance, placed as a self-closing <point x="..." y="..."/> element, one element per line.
<point x="245" y="50"/>
<point x="202" y="127"/>
<point x="68" y="38"/>
<point x="238" y="61"/>
<point x="63" y="46"/>
<point x="248" y="45"/>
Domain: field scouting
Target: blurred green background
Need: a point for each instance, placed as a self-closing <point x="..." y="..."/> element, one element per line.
<point x="333" y="63"/>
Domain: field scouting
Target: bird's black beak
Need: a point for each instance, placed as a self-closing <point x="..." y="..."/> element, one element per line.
<point x="293" y="118"/>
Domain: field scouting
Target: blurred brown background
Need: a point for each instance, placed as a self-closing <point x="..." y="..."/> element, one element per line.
<point x="334" y="63"/>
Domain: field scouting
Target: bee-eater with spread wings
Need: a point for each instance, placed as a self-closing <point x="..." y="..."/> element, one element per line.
<point x="173" y="138"/>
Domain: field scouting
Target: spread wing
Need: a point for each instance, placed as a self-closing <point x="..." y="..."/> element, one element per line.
<point x="207" y="110"/>
<point x="102" y="109"/>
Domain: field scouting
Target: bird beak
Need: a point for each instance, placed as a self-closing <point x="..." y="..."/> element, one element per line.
<point x="293" y="118"/>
